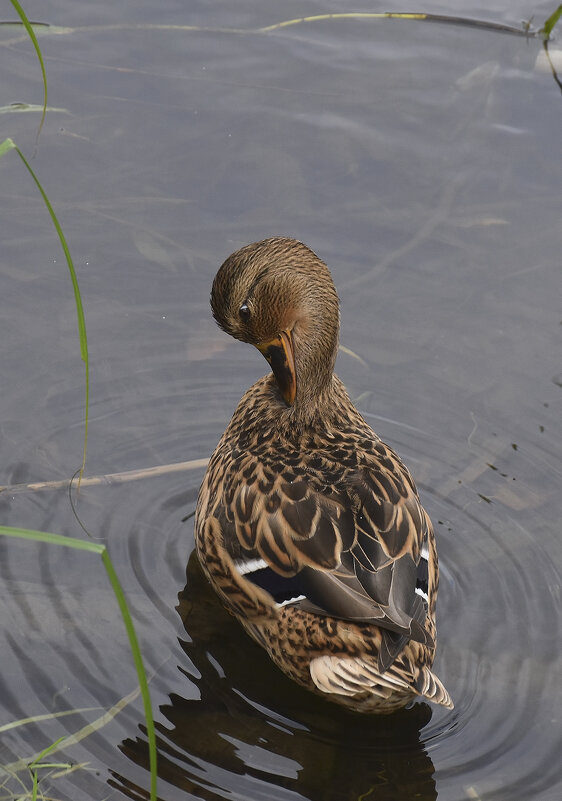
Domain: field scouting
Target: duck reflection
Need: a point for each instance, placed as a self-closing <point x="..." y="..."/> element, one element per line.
<point x="253" y="733"/>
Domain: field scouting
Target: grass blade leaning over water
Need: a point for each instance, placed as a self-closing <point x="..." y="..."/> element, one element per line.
<point x="101" y="550"/>
<point x="5" y="146"/>
<point x="31" y="33"/>
<point x="55" y="539"/>
<point x="546" y="29"/>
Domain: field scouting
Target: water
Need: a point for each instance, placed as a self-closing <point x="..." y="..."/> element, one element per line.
<point x="421" y="161"/>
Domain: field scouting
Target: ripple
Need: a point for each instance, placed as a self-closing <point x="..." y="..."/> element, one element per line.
<point x="258" y="735"/>
<point x="499" y="652"/>
<point x="459" y="333"/>
<point x="229" y="723"/>
<point x="239" y="726"/>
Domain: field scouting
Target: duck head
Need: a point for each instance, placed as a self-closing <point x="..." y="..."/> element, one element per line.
<point x="279" y="296"/>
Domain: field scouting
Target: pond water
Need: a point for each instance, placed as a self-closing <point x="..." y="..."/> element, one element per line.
<point x="421" y="161"/>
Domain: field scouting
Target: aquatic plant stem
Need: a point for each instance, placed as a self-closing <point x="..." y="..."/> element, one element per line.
<point x="101" y="550"/>
<point x="9" y="144"/>
<point x="444" y="19"/>
<point x="31" y="33"/>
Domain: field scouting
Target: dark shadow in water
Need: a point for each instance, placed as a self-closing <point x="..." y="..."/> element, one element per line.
<point x="251" y="724"/>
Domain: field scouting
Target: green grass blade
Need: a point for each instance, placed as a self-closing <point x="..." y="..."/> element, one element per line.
<point x="9" y="144"/>
<point x="78" y="299"/>
<point x="31" y="33"/>
<point x="44" y="752"/>
<point x="548" y="26"/>
<point x="115" y="583"/>
<point x="93" y="547"/>
<point x="52" y="539"/>
<point x="5" y="146"/>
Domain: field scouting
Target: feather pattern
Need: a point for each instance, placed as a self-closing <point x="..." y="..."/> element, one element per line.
<point x="309" y="527"/>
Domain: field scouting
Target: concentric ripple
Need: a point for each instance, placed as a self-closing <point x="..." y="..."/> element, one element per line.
<point x="235" y="725"/>
<point x="422" y="161"/>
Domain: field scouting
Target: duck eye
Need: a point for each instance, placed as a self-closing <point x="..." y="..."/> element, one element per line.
<point x="244" y="312"/>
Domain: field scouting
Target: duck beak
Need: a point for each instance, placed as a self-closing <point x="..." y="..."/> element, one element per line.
<point x="280" y="355"/>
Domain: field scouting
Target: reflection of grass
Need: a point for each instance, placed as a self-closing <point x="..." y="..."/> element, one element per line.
<point x="38" y="763"/>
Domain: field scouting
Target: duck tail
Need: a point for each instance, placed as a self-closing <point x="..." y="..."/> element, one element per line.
<point x="430" y="687"/>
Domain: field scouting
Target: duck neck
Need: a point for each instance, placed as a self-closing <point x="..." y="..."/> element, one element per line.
<point x="315" y="407"/>
<point x="315" y="344"/>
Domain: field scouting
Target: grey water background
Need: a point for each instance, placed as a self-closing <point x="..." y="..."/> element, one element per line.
<point x="422" y="162"/>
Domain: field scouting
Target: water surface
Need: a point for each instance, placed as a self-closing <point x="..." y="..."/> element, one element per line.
<point x="422" y="162"/>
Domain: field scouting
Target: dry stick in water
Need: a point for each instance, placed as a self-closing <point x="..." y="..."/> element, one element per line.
<point x="110" y="478"/>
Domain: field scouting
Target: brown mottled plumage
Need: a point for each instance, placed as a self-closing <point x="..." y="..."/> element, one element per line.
<point x="308" y="526"/>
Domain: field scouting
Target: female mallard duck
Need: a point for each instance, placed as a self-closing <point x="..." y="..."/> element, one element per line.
<point x="308" y="526"/>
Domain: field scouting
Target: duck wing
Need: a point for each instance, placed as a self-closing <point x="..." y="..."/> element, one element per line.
<point x="350" y="542"/>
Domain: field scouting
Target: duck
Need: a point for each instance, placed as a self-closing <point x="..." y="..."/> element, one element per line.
<point x="308" y="526"/>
